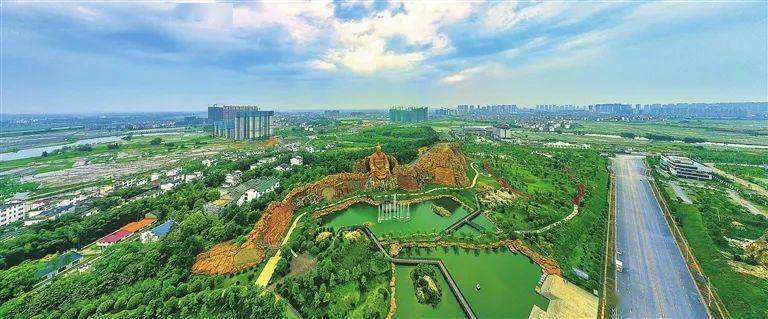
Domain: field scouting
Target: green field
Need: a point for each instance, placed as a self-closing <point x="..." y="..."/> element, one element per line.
<point x="706" y="224"/>
<point x="754" y="174"/>
<point x="741" y="131"/>
<point x="409" y="307"/>
<point x="422" y="218"/>
<point x="507" y="281"/>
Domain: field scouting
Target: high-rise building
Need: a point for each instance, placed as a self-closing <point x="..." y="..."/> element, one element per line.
<point x="215" y="113"/>
<point x="243" y="122"/>
<point x="408" y="115"/>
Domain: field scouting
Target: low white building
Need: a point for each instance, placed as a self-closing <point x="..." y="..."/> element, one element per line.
<point x="297" y="160"/>
<point x="283" y="167"/>
<point x="154" y="177"/>
<point x="11" y="212"/>
<point x="173" y="172"/>
<point x="560" y="144"/>
<point x="130" y="182"/>
<point x="257" y="188"/>
<point x="310" y="149"/>
<point x="267" y="160"/>
<point x="684" y="167"/>
<point x="232" y="178"/>
<point x="167" y="186"/>
<point x="191" y="177"/>
<point x="207" y="162"/>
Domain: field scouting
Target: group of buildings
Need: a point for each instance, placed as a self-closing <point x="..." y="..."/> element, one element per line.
<point x="240" y="122"/>
<point x="33" y="211"/>
<point x="685" y="110"/>
<point x="408" y="115"/>
<point x="145" y="236"/>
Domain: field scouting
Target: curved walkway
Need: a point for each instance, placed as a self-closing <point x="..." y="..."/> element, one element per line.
<point x="269" y="269"/>
<point x="465" y="306"/>
<point x="550" y="226"/>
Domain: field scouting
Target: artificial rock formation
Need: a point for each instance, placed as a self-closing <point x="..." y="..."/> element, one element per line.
<point x="443" y="164"/>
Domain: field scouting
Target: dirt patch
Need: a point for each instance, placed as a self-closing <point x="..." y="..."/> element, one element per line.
<point x="301" y="264"/>
<point x="267" y="233"/>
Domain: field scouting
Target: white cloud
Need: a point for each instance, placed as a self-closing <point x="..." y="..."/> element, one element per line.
<point x="502" y="16"/>
<point x="321" y="65"/>
<point x="469" y="73"/>
<point x="303" y="21"/>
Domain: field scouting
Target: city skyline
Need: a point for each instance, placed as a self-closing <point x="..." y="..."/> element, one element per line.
<point x="88" y="58"/>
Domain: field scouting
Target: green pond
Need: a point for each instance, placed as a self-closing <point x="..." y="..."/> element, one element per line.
<point x="507" y="281"/>
<point x="409" y="307"/>
<point x="422" y="217"/>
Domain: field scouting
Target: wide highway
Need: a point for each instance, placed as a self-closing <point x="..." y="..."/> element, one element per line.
<point x="655" y="281"/>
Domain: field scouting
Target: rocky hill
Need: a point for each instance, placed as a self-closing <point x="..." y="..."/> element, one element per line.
<point x="442" y="164"/>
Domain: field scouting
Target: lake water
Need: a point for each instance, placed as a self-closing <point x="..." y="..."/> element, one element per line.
<point x="409" y="307"/>
<point x="422" y="218"/>
<point x="38" y="151"/>
<point x="507" y="282"/>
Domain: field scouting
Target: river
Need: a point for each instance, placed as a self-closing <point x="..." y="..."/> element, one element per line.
<point x="38" y="151"/>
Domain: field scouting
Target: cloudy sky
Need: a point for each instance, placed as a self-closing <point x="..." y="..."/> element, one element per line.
<point x="87" y="57"/>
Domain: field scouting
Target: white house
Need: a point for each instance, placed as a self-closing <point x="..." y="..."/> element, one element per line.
<point x="283" y="167"/>
<point x="167" y="186"/>
<point x="207" y="162"/>
<point x="297" y="160"/>
<point x="173" y="172"/>
<point x="191" y="177"/>
<point x="11" y="212"/>
<point x="154" y="177"/>
<point x="232" y="178"/>
<point x="258" y="188"/>
<point x="267" y="160"/>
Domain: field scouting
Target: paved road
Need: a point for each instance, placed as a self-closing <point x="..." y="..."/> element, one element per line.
<point x="655" y="281"/>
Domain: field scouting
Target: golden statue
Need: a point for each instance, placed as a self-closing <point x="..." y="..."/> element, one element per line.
<point x="378" y="165"/>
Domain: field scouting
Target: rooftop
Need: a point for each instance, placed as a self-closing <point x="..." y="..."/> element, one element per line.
<point x="163" y="229"/>
<point x="260" y="184"/>
<point x="58" y="262"/>
<point x="134" y="226"/>
<point x="114" y="237"/>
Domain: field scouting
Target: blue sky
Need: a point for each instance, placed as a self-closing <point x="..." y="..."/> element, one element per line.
<point x="88" y="57"/>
